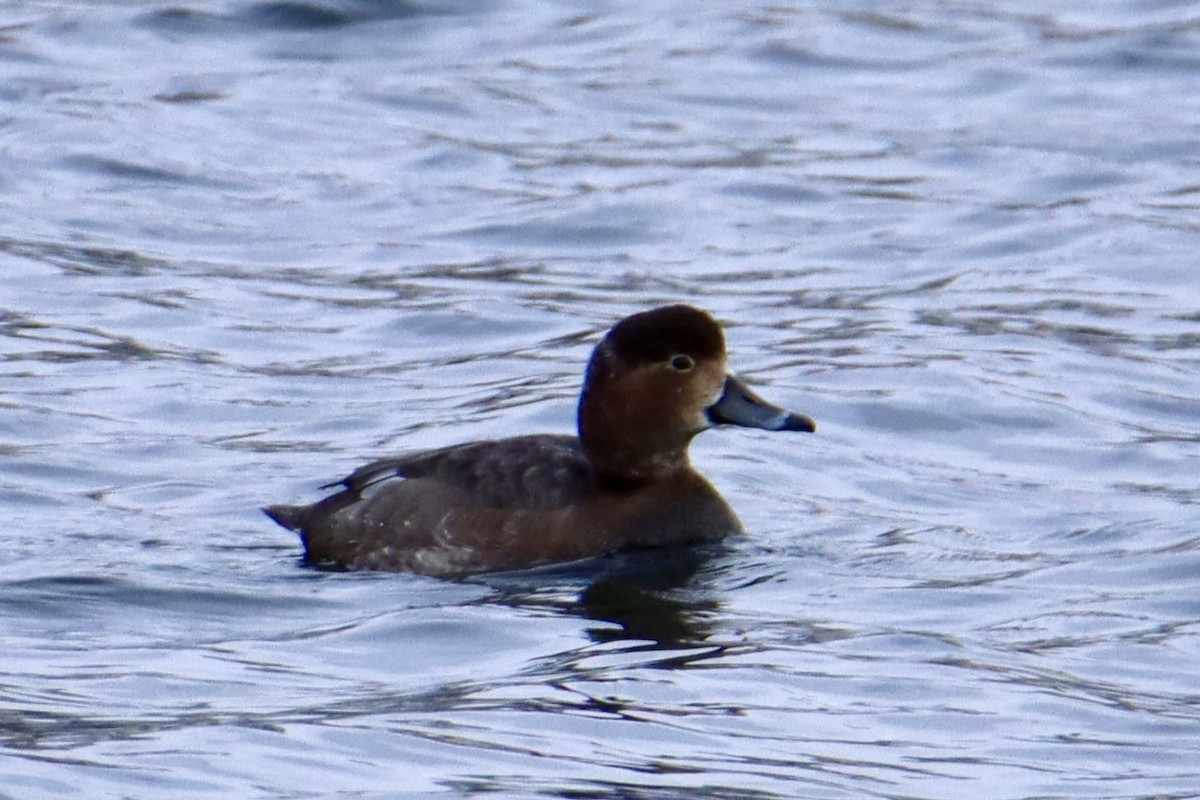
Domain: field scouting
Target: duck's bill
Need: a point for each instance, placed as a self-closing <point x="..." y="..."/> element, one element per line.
<point x="738" y="405"/>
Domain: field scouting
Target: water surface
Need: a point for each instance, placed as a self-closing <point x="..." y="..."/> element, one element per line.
<point x="245" y="246"/>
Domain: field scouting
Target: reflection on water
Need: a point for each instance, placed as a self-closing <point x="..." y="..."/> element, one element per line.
<point x="653" y="597"/>
<point x="249" y="244"/>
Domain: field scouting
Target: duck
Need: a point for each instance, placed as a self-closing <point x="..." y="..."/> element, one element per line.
<point x="625" y="481"/>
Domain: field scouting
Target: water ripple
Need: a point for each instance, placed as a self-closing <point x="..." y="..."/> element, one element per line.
<point x="249" y="245"/>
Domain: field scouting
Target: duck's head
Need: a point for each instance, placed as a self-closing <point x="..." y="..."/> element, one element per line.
<point x="656" y="380"/>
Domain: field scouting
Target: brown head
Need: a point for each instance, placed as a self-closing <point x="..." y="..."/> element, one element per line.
<point x="656" y="380"/>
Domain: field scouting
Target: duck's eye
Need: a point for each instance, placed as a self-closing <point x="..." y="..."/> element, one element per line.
<point x="682" y="363"/>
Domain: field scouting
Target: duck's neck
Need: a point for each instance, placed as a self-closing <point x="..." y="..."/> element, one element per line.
<point x="621" y="455"/>
<point x="628" y="466"/>
<point x="613" y="431"/>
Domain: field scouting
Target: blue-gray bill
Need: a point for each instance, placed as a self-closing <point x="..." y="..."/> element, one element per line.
<point x="739" y="405"/>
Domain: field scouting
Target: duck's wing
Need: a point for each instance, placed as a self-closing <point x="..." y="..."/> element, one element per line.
<point x="541" y="471"/>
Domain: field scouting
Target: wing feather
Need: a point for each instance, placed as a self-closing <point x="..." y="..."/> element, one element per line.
<point x="540" y="471"/>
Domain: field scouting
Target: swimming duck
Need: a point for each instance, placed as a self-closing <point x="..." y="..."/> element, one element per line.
<point x="656" y="380"/>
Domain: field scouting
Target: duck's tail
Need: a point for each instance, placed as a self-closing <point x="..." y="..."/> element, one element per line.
<point x="293" y="518"/>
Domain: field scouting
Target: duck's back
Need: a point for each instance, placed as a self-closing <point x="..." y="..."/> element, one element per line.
<point x="445" y="511"/>
<point x="543" y="471"/>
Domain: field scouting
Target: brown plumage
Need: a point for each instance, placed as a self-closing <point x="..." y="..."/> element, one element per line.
<point x="656" y="380"/>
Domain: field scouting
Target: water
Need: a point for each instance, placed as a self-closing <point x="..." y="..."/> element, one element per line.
<point x="246" y="245"/>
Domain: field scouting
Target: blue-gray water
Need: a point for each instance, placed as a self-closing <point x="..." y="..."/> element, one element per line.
<point x="245" y="246"/>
